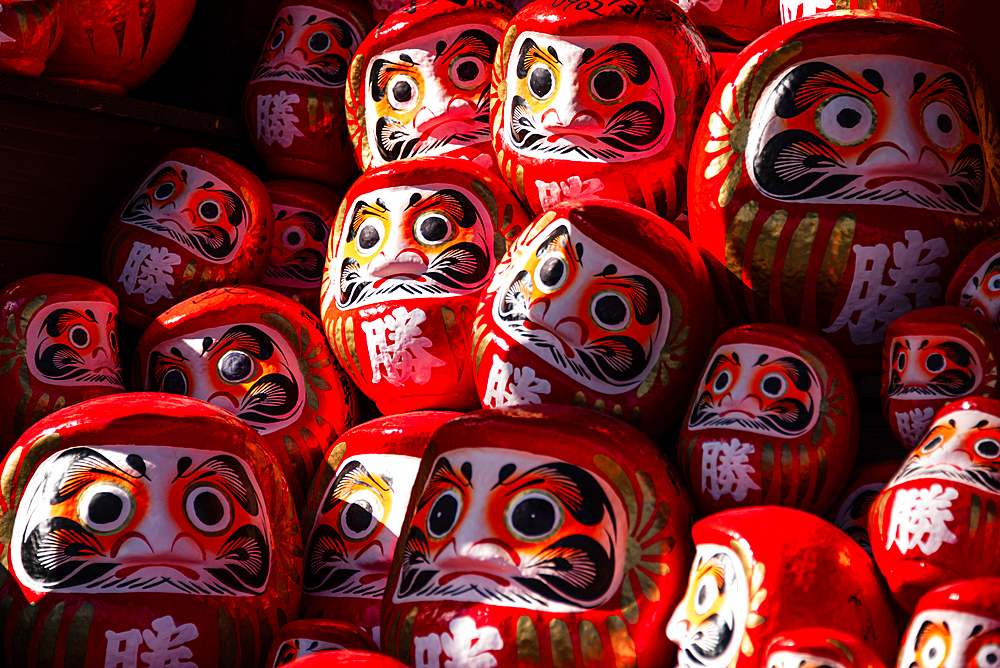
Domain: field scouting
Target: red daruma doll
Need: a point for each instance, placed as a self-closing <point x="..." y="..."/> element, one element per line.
<point x="29" y="32"/>
<point x="976" y="283"/>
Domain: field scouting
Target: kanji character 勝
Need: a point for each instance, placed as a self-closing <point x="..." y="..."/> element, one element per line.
<point x="166" y="642"/>
<point x="148" y="271"/>
<point x="397" y="350"/>
<point x="725" y="469"/>
<point x="276" y="118"/>
<point x="913" y="424"/>
<point x="551" y="193"/>
<point x="466" y="646"/>
<point x="920" y="519"/>
<point x="513" y="386"/>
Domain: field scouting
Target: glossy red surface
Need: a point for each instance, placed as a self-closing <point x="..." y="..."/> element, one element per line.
<point x="306" y="637"/>
<point x="29" y="33"/>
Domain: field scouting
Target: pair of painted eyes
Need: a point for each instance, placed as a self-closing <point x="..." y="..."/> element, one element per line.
<point x="987" y="448"/>
<point x="234" y="367"/>
<point x="609" y="309"/>
<point x="319" y="42"/>
<point x="935" y="362"/>
<point x="773" y="385"/>
<point x="79" y="337"/>
<point x="467" y="73"/>
<point x="208" y="210"/>
<point x="105" y="508"/>
<point x="530" y="517"/>
<point x="849" y="120"/>
<point x="606" y="86"/>
<point x="431" y="229"/>
<point x="363" y="512"/>
<point x="706" y="593"/>
<point x="935" y="652"/>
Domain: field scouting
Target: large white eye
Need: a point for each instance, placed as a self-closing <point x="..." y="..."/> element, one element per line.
<point x="444" y="513"/>
<point x="403" y="92"/>
<point x="901" y="361"/>
<point x="209" y="211"/>
<point x="105" y="508"/>
<point x="362" y="512"/>
<point x="942" y="125"/>
<point x="236" y="366"/>
<point x="319" y="42"/>
<point x="934" y="653"/>
<point x="369" y="238"/>
<point x="79" y="336"/>
<point x="845" y="119"/>
<point x="994" y="283"/>
<point x="293" y="237"/>
<point x="541" y="81"/>
<point x="551" y="273"/>
<point x="278" y="39"/>
<point x="988" y="656"/>
<point x="705" y="594"/>
<point x="534" y="516"/>
<point x="722" y="382"/>
<point x="934" y="362"/>
<point x="608" y="85"/>
<point x="432" y="229"/>
<point x="467" y="72"/>
<point x="174" y="382"/>
<point x="209" y="509"/>
<point x="163" y="191"/>
<point x="773" y="385"/>
<point x="610" y="310"/>
<point x="987" y="448"/>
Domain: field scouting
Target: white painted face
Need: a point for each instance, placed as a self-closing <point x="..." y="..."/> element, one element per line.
<point x="788" y="659"/>
<point x="299" y="249"/>
<point x="982" y="292"/>
<point x="760" y="389"/>
<point x="431" y="95"/>
<point x="145" y="519"/>
<point x="708" y="624"/>
<point x="410" y="243"/>
<point x="291" y="650"/>
<point x="350" y="548"/>
<point x="871" y="129"/>
<point x="932" y="367"/>
<point x="595" y="98"/>
<point x="950" y="639"/>
<point x="584" y="310"/>
<point x="249" y="370"/>
<point x="513" y="529"/>
<point x="75" y="344"/>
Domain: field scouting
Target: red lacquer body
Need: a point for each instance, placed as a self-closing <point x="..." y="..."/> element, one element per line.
<point x="29" y="32"/>
<point x="305" y="637"/>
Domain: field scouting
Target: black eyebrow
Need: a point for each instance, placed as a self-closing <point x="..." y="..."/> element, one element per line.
<point x="475" y="41"/>
<point x="83" y="461"/>
<point x="442" y="473"/>
<point x="951" y="88"/>
<point x="167" y="171"/>
<point x="810" y="82"/>
<point x="717" y="362"/>
<point x="230" y="475"/>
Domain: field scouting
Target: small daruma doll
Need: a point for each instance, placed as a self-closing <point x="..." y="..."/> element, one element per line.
<point x="303" y="217"/>
<point x="29" y="32"/>
<point x="294" y="103"/>
<point x="850" y="512"/>
<point x="58" y="347"/>
<point x="145" y="527"/>
<point x="263" y="358"/>
<point x="305" y="637"/>
<point x="819" y="648"/>
<point x="599" y="304"/>
<point x="936" y="521"/>
<point x="955" y="626"/>
<point x="976" y="283"/>
<point x="414" y="245"/>
<point x="932" y="357"/>
<point x="766" y="570"/>
<point x="599" y="102"/>
<point x="420" y="84"/>
<point x="841" y="171"/>
<point x="773" y="421"/>
<point x="197" y="222"/>
<point x="355" y="514"/>
<point x="538" y="536"/>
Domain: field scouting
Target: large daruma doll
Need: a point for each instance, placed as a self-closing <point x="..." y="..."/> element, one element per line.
<point x="599" y="102"/>
<point x="538" y="536"/>
<point x="840" y="173"/>
<point x="145" y="526"/>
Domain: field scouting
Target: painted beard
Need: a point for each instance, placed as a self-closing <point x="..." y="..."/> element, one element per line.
<point x="329" y="71"/>
<point x="788" y="416"/>
<point x="396" y="141"/>
<point x="710" y="639"/>
<point x="330" y="571"/>
<point x="302" y="269"/>
<point x="985" y="477"/>
<point x="61" y="362"/>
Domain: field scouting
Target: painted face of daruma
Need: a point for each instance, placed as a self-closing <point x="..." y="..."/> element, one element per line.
<point x="708" y="624"/>
<point x="982" y="292"/>
<point x="759" y="389"/>
<point x="299" y="249"/>
<point x="192" y="207"/>
<point x="308" y="45"/>
<point x="589" y="313"/>
<point x="951" y="639"/>
<point x="248" y="370"/>
<point x="789" y="659"/>
<point x="933" y="367"/>
<point x="588" y="98"/>
<point x="877" y="129"/>
<point x="291" y="650"/>
<point x="431" y="95"/>
<point x="153" y="518"/>
<point x="408" y="243"/>
<point x="515" y="529"/>
<point x="75" y="343"/>
<point x="350" y="549"/>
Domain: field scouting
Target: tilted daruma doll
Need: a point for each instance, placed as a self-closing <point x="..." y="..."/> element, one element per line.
<point x="304" y="637"/>
<point x="976" y="283"/>
<point x="936" y="520"/>
<point x="850" y="512"/>
<point x="762" y="571"/>
<point x="598" y="304"/>
<point x="145" y="530"/>
<point x="294" y="103"/>
<point x="841" y="171"/>
<point x="773" y="421"/>
<point x="955" y="626"/>
<point x="58" y="347"/>
<point x="29" y="32"/>
<point x="303" y="217"/>
<point x="420" y="84"/>
<point x="198" y="221"/>
<point x="355" y="513"/>
<point x="550" y="535"/>
<point x="932" y="357"/>
<point x="599" y="102"/>
<point x="263" y="358"/>
<point x="819" y="648"/>
<point x="415" y="243"/>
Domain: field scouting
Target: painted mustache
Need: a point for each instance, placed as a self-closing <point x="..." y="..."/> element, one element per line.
<point x="305" y="265"/>
<point x="61" y="362"/>
<point x="211" y="241"/>
<point x="329" y="71"/>
<point x="396" y="141"/>
<point x="982" y="476"/>
<point x="785" y="416"/>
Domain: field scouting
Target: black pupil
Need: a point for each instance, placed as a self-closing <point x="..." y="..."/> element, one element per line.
<point x="277" y="40"/>
<point x="368" y="237"/>
<point x="722" y="381"/>
<point x="174" y="383"/>
<point x="163" y="191"/>
<point x="901" y="362"/>
<point x="79" y="336"/>
<point x="933" y="444"/>
<point x="609" y="85"/>
<point x="552" y="271"/>
<point x="540" y="81"/>
<point x="319" y="42"/>
<point x="932" y="652"/>
<point x="702" y="595"/>
<point x="533" y="517"/>
<point x="105" y="508"/>
<point x="935" y="362"/>
<point x="208" y="509"/>
<point x="610" y="310"/>
<point x="467" y="71"/>
<point x="401" y="91"/>
<point x="235" y="366"/>
<point x="944" y="123"/>
<point x="359" y="516"/>
<point x="114" y="339"/>
<point x="209" y="210"/>
<point x="772" y="385"/>
<point x="989" y="449"/>
<point x="443" y="515"/>
<point x="848" y="118"/>
<point x="293" y="238"/>
<point x="434" y="228"/>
